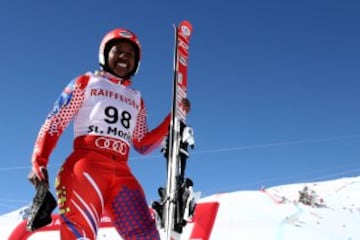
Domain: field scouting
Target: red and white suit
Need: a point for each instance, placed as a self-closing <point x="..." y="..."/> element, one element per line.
<point x="108" y="117"/>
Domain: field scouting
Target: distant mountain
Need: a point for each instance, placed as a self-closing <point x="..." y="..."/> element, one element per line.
<point x="318" y="210"/>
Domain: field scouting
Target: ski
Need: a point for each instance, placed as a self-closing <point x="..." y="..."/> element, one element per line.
<point x="173" y="220"/>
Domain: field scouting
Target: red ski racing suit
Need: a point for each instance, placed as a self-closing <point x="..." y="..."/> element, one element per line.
<point x="108" y="117"/>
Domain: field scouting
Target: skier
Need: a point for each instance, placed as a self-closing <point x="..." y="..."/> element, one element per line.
<point x="109" y="117"/>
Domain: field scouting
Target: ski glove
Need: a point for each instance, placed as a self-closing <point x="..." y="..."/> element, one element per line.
<point x="186" y="105"/>
<point x="41" y="208"/>
<point x="42" y="205"/>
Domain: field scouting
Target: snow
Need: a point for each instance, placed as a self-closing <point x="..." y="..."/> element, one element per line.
<point x="273" y="214"/>
<point x="9" y="221"/>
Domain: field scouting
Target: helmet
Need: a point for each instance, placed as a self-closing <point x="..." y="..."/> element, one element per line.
<point x="119" y="34"/>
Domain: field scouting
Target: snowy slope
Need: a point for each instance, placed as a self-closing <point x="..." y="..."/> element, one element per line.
<point x="271" y="214"/>
<point x="9" y="221"/>
<point x="276" y="214"/>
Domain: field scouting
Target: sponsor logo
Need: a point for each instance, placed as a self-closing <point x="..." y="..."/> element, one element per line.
<point x="185" y="30"/>
<point x="112" y="144"/>
<point x="126" y="34"/>
<point x="63" y="99"/>
<point x="183" y="60"/>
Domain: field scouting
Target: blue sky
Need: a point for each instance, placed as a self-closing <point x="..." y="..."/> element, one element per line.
<point x="274" y="86"/>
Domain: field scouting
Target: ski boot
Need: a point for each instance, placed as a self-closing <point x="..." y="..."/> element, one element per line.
<point x="188" y="200"/>
<point x="162" y="193"/>
<point x="158" y="213"/>
<point x="158" y="207"/>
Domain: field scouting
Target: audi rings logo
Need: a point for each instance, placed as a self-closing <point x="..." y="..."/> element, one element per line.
<point x="112" y="144"/>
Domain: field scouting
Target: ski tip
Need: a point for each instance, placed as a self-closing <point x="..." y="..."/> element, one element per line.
<point x="186" y="23"/>
<point x="186" y="28"/>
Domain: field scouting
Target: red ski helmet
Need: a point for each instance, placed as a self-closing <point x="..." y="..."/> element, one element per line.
<point x="119" y="34"/>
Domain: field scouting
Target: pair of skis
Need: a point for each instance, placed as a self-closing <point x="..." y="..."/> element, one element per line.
<point x="178" y="202"/>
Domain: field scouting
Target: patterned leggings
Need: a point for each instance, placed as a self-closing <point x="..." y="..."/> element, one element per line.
<point x="91" y="183"/>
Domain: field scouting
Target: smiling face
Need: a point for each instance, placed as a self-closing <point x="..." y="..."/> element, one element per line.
<point x="122" y="59"/>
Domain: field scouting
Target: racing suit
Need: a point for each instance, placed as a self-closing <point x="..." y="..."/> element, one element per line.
<point x="108" y="117"/>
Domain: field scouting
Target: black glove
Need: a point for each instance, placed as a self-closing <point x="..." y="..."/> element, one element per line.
<point x="42" y="206"/>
